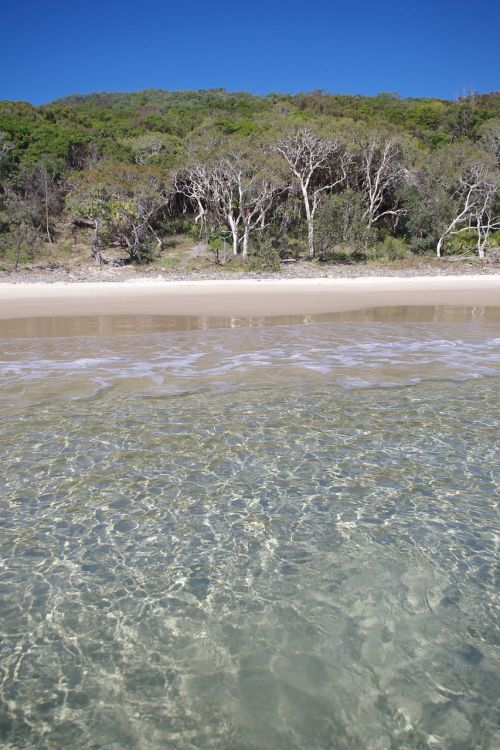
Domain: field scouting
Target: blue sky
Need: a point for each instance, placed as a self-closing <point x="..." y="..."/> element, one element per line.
<point x="50" y="48"/>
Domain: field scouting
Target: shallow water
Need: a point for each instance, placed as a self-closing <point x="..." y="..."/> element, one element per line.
<point x="262" y="538"/>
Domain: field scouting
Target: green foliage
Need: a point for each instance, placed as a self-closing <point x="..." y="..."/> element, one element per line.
<point x="107" y="158"/>
<point x="219" y="242"/>
<point x="122" y="202"/>
<point x="154" y="148"/>
<point x="265" y="256"/>
<point x="391" y="249"/>
<point x="345" y="255"/>
<point x="20" y="245"/>
<point x="237" y="127"/>
<point x="109" y="120"/>
<point x="418" y="221"/>
<point x="341" y="221"/>
<point x="462" y="244"/>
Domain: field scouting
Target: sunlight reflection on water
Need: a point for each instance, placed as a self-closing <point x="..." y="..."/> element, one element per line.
<point x="245" y="553"/>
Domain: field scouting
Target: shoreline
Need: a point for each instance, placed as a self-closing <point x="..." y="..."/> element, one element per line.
<point x="242" y="298"/>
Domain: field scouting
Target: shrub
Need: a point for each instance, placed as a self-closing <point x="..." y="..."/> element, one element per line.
<point x="20" y="245"/>
<point x="265" y="257"/>
<point x="340" y="221"/>
<point x="219" y="242"/>
<point x="392" y="248"/>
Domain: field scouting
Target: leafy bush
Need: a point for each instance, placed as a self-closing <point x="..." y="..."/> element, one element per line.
<point x="340" y="221"/>
<point x="265" y="257"/>
<point x="344" y="254"/>
<point x="462" y="244"/>
<point x="219" y="243"/>
<point x="392" y="248"/>
<point x="21" y="244"/>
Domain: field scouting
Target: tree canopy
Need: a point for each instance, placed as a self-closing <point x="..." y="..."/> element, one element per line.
<point x="401" y="167"/>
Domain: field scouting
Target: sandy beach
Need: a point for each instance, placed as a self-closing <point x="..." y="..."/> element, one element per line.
<point x="242" y="298"/>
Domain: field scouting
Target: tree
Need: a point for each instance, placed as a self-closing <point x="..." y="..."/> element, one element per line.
<point x="195" y="184"/>
<point x="471" y="192"/>
<point x="490" y="140"/>
<point x="120" y="203"/>
<point x="341" y="221"/>
<point x="6" y="149"/>
<point x="421" y="206"/>
<point x="318" y="164"/>
<point x="487" y="212"/>
<point x="118" y="149"/>
<point x="89" y="204"/>
<point x="380" y="169"/>
<point x="133" y="216"/>
<point x="455" y="192"/>
<point x="21" y="244"/>
<point x="35" y="196"/>
<point x="235" y="192"/>
<point x="154" y="148"/>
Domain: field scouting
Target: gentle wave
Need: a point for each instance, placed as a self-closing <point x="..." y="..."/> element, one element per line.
<point x="352" y="355"/>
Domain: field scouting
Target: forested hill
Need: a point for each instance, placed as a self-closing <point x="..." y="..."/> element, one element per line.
<point x="123" y="176"/>
<point x="112" y="121"/>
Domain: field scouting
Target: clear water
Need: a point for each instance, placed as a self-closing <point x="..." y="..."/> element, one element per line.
<point x="264" y="538"/>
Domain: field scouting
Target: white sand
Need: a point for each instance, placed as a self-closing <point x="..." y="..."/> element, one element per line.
<point x="242" y="297"/>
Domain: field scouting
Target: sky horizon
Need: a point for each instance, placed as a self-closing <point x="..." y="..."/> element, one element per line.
<point x="54" y="49"/>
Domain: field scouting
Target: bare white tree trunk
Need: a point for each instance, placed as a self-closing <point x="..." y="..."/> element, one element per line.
<point x="234" y="194"/>
<point x="474" y="197"/>
<point x="439" y="247"/>
<point x="486" y="222"/>
<point x="46" y="196"/>
<point x="244" y="242"/>
<point x="481" y="245"/>
<point x="318" y="164"/>
<point x="381" y="169"/>
<point x="309" y="220"/>
<point x="233" y="225"/>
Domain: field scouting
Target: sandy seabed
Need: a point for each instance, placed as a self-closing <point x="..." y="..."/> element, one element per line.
<point x="242" y="298"/>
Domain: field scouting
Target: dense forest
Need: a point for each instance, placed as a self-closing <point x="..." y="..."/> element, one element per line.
<point x="254" y="179"/>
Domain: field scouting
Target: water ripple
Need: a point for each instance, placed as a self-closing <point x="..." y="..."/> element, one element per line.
<point x="351" y="354"/>
<point x="275" y="565"/>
